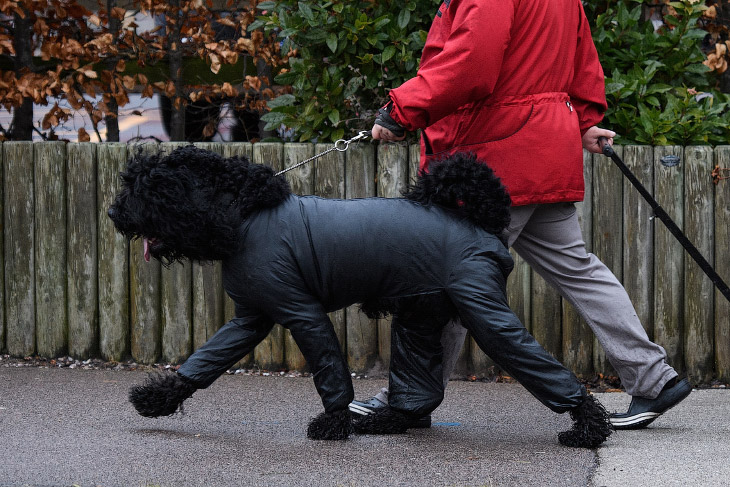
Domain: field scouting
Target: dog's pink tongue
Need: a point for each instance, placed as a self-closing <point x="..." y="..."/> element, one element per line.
<point x="146" y="250"/>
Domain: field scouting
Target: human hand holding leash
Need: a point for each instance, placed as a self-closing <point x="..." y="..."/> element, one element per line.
<point x="595" y="138"/>
<point x="385" y="128"/>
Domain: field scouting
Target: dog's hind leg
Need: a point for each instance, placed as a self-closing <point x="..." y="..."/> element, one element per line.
<point x="591" y="425"/>
<point x="162" y="394"/>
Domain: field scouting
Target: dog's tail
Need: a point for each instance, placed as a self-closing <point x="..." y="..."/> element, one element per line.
<point x="464" y="183"/>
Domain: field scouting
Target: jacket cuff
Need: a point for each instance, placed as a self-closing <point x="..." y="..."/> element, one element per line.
<point x="386" y="121"/>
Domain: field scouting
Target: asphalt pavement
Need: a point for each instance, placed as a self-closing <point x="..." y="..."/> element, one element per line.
<point x="62" y="427"/>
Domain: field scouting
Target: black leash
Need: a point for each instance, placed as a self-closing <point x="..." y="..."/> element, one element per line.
<point x="667" y="220"/>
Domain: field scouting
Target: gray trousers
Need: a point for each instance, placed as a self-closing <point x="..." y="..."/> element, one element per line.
<point x="549" y="238"/>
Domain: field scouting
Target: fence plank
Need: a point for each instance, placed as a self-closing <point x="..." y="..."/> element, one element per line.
<point x="329" y="182"/>
<point x="269" y="354"/>
<point x="362" y="336"/>
<point x="2" y="252"/>
<point x="176" y="287"/>
<point x="607" y="230"/>
<point x="577" y="335"/>
<point x="302" y="182"/>
<point x="207" y="287"/>
<point x="82" y="257"/>
<point x="699" y="291"/>
<point x="722" y="266"/>
<point x="238" y="149"/>
<point x="50" y="248"/>
<point x="546" y="316"/>
<point x="414" y="159"/>
<point x="391" y="177"/>
<point x="144" y="294"/>
<point x="669" y="257"/>
<point x="19" y="248"/>
<point x="639" y="235"/>
<point x="113" y="258"/>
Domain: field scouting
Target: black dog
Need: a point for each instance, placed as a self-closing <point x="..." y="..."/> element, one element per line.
<point x="426" y="258"/>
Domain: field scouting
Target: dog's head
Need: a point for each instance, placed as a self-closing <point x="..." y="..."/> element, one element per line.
<point x="190" y="203"/>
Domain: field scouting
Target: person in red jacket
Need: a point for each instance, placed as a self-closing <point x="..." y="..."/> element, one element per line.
<point x="519" y="84"/>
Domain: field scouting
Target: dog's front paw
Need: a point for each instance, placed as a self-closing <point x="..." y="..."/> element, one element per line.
<point x="162" y="394"/>
<point x="331" y="426"/>
<point x="383" y="421"/>
<point x="591" y="425"/>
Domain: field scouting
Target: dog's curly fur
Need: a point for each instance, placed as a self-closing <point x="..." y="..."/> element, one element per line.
<point x="383" y="421"/>
<point x="162" y="394"/>
<point x="331" y="426"/>
<point x="218" y="194"/>
<point x="486" y="203"/>
<point x="190" y="203"/>
<point x="591" y="425"/>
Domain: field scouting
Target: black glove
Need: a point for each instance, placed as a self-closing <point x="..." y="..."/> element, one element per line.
<point x="384" y="120"/>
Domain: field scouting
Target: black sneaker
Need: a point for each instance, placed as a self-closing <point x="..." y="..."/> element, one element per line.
<point x="644" y="411"/>
<point x="364" y="408"/>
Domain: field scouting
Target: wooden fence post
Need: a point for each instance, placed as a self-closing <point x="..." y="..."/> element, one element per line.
<point x="607" y="230"/>
<point x="391" y="180"/>
<point x="82" y="257"/>
<point x="144" y="278"/>
<point x="50" y="248"/>
<point x="113" y="284"/>
<point x="238" y="149"/>
<point x="269" y="354"/>
<point x="176" y="289"/>
<point x="19" y="251"/>
<point x="669" y="257"/>
<point x="637" y="269"/>
<point x="699" y="290"/>
<point x="577" y="335"/>
<point x="329" y="182"/>
<point x="301" y="180"/>
<point x="722" y="266"/>
<point x="207" y="287"/>
<point x="362" y="336"/>
<point x="3" y="349"/>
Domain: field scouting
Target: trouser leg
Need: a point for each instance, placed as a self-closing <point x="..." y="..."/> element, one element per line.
<point x="552" y="243"/>
<point x="416" y="374"/>
<point x="230" y="344"/>
<point x="318" y="343"/>
<point x="479" y="293"/>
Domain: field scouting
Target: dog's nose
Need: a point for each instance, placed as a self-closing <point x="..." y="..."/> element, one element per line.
<point x="111" y="212"/>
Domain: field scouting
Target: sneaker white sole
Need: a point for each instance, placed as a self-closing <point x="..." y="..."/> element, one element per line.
<point x="359" y="409"/>
<point x="636" y="419"/>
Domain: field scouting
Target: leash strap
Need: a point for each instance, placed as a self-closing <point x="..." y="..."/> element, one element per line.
<point x="341" y="146"/>
<point x="667" y="220"/>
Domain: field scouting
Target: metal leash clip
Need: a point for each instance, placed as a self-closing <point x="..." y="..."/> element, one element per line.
<point x="341" y="145"/>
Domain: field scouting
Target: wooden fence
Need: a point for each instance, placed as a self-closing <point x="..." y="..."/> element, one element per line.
<point x="73" y="286"/>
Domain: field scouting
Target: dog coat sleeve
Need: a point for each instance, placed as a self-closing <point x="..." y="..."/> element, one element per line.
<point x="478" y="291"/>
<point x="231" y="343"/>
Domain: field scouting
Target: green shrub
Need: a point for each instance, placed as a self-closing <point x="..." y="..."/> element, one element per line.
<point x="349" y="54"/>
<point x="657" y="88"/>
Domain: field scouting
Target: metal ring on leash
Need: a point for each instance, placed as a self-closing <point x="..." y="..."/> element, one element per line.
<point x="341" y="145"/>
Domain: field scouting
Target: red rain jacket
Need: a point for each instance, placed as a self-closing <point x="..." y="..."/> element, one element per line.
<point x="515" y="81"/>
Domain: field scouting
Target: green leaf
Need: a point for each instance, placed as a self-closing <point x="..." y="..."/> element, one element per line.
<point x="337" y="134"/>
<point x="388" y="53"/>
<point x="403" y="18"/>
<point x="266" y="5"/>
<point x="332" y="42"/>
<point x="334" y="116"/>
<point x="306" y="11"/>
<point x="281" y="101"/>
